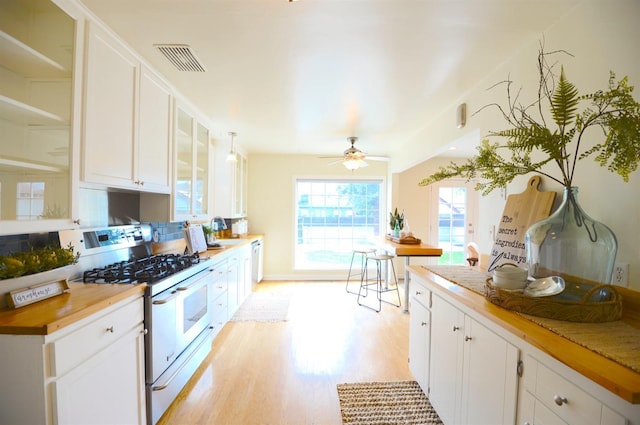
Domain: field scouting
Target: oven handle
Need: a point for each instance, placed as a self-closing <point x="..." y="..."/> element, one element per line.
<point x="194" y="284"/>
<point x="177" y="371"/>
<point x="173" y="296"/>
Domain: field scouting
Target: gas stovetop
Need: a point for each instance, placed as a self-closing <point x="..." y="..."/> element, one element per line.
<point x="148" y="270"/>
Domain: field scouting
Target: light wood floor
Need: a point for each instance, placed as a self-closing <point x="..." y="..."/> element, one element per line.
<point x="286" y="372"/>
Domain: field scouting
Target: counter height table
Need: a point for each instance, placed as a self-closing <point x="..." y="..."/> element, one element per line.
<point x="407" y="251"/>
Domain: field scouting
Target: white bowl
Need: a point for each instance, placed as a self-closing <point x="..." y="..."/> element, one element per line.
<point x="510" y="276"/>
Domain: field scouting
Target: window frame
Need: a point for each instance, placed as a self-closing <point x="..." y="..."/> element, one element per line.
<point x="381" y="180"/>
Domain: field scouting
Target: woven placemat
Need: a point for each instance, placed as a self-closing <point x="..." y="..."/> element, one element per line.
<point x="388" y="403"/>
<point x="617" y="341"/>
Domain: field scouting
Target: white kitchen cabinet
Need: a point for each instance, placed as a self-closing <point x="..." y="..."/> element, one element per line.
<point x="192" y="164"/>
<point x="89" y="372"/>
<point x="477" y="361"/>
<point x="219" y="296"/>
<point x="473" y="371"/>
<point x="127" y="132"/>
<point x="154" y="133"/>
<point x="234" y="284"/>
<point x="38" y="101"/>
<point x="551" y="398"/>
<point x="420" y="334"/>
<point x="230" y="197"/>
<point x="111" y="87"/>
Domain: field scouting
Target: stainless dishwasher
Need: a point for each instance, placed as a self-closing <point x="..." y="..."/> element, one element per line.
<point x="256" y="261"/>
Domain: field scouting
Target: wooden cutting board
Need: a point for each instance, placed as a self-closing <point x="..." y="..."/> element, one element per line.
<point x="520" y="212"/>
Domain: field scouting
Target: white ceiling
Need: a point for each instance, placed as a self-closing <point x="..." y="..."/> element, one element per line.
<point x="300" y="77"/>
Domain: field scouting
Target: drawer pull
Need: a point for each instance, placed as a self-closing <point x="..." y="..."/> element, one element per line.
<point x="559" y="400"/>
<point x="418" y="293"/>
<point x="455" y="328"/>
<point x="110" y="329"/>
<point x="423" y="323"/>
<point x="144" y="331"/>
<point x="468" y="338"/>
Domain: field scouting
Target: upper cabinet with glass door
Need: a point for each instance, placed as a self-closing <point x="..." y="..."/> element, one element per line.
<point x="191" y="192"/>
<point x="37" y="41"/>
<point x="230" y="199"/>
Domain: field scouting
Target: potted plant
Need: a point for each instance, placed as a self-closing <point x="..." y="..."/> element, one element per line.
<point x="396" y="222"/>
<point x="552" y="130"/>
<point x="36" y="261"/>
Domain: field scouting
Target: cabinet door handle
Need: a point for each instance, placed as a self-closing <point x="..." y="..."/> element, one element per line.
<point x="418" y="293"/>
<point x="424" y="323"/>
<point x="110" y="329"/>
<point x="559" y="400"/>
<point x="455" y="328"/>
<point x="468" y="338"/>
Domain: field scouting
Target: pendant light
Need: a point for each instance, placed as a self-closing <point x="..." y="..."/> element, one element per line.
<point x="232" y="155"/>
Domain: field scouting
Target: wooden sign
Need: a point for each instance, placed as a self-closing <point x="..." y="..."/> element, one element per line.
<point x="32" y="294"/>
<point x="520" y="212"/>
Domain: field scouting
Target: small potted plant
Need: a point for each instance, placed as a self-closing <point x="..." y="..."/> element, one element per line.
<point x="396" y="222"/>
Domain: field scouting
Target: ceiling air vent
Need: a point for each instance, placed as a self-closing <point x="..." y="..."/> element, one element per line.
<point x="181" y="56"/>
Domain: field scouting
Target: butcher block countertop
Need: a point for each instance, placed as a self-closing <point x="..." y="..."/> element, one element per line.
<point x="47" y="316"/>
<point x="621" y="380"/>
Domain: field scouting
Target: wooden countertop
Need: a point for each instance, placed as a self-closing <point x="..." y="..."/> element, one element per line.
<point x="85" y="299"/>
<point x="618" y="379"/>
<point x="408" y="250"/>
<point x="47" y="316"/>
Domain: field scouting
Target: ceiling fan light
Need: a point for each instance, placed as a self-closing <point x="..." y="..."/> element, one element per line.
<point x="353" y="164"/>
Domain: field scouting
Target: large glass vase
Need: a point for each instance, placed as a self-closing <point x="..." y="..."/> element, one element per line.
<point x="571" y="244"/>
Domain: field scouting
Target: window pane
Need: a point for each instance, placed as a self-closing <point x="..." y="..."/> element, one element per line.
<point x="333" y="217"/>
<point x="451" y="224"/>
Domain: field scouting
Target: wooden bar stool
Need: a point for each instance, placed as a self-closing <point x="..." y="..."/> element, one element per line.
<point x="379" y="284"/>
<point x="361" y="273"/>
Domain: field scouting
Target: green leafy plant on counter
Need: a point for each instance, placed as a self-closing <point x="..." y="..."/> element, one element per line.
<point x="394" y="218"/>
<point x="558" y="135"/>
<point x="36" y="261"/>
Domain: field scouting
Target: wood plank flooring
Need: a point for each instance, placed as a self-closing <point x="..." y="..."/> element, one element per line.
<point x="286" y="372"/>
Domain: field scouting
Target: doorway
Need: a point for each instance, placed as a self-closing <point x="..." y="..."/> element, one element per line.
<point x="455" y="202"/>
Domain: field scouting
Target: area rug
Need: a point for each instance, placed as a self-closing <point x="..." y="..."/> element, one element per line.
<point x="385" y="403"/>
<point x="264" y="307"/>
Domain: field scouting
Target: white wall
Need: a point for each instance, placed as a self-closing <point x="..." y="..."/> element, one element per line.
<point x="271" y="205"/>
<point x="602" y="36"/>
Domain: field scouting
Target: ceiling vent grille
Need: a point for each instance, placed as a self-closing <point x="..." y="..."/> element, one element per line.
<point x="181" y="56"/>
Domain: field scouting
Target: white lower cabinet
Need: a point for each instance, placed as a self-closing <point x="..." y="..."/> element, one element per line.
<point x="480" y="373"/>
<point x="420" y="334"/>
<point x="550" y="398"/>
<point x="473" y="371"/>
<point x="109" y="376"/>
<point x="90" y="372"/>
<point x="219" y="296"/>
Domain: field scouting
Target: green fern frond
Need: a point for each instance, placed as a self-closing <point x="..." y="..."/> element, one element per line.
<point x="564" y="102"/>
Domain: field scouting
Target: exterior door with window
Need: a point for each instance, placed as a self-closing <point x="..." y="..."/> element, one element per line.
<point x="453" y="224"/>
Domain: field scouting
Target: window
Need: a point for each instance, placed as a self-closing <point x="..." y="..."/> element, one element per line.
<point x="30" y="200"/>
<point x="333" y="217"/>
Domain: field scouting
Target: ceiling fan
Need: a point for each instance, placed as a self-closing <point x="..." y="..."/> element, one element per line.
<point x="353" y="158"/>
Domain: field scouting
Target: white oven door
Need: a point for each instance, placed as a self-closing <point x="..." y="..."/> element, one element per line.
<point x="163" y="335"/>
<point x="193" y="310"/>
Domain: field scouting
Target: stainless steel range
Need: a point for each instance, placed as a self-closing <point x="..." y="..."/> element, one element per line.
<point x="177" y="302"/>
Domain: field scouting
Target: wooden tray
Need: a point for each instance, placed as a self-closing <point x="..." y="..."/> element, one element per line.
<point x="559" y="307"/>
<point x="406" y="240"/>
